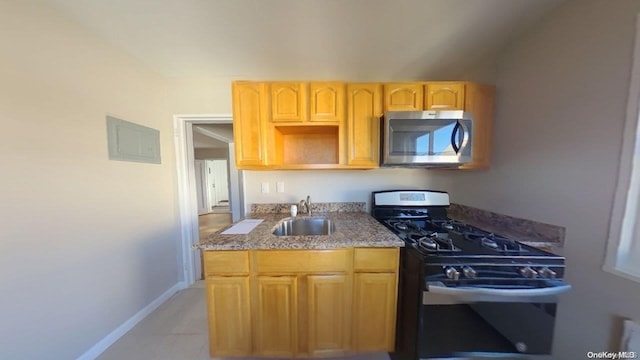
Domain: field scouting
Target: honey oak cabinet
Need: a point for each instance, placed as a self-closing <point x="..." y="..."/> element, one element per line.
<point x="301" y="303"/>
<point x="444" y="96"/>
<point x="336" y="125"/>
<point x="403" y="96"/>
<point x="276" y="315"/>
<point x="480" y="101"/>
<point x="375" y="299"/>
<point x="328" y="308"/>
<point x="364" y="109"/>
<point x="249" y="124"/>
<point x="326" y="101"/>
<point x="288" y="102"/>
<point x="229" y="320"/>
<point x="228" y="303"/>
<point x="374" y="311"/>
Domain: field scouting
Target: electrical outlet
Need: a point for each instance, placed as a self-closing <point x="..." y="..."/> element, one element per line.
<point x="265" y="187"/>
<point x="280" y="186"/>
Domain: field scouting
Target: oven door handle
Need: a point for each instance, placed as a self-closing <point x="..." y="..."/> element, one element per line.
<point x="501" y="295"/>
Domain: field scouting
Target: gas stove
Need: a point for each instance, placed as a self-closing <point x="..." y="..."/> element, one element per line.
<point x="496" y="294"/>
<point x="457" y="238"/>
<point x="454" y="251"/>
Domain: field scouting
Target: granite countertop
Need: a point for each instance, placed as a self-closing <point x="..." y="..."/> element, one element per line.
<point x="353" y="229"/>
<point x="541" y="235"/>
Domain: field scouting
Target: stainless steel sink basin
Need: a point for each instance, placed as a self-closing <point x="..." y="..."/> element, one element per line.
<point x="303" y="227"/>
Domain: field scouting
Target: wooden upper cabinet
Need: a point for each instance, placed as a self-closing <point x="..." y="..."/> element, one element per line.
<point x="444" y="96"/>
<point x="249" y="124"/>
<point x="364" y="109"/>
<point x="326" y="102"/>
<point x="403" y="97"/>
<point x="288" y="102"/>
<point x="480" y="101"/>
<point x="336" y="125"/>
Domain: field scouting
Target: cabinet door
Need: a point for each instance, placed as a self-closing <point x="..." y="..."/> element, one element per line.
<point x="276" y="320"/>
<point x="374" y="319"/>
<point x="445" y="96"/>
<point x="364" y="108"/>
<point x="403" y="97"/>
<point x="249" y="122"/>
<point x="288" y="102"/>
<point x="480" y="101"/>
<point x="326" y="102"/>
<point x="229" y="316"/>
<point x="329" y="322"/>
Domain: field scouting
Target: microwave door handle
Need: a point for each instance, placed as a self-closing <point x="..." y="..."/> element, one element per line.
<point x="454" y="134"/>
<point x="478" y="293"/>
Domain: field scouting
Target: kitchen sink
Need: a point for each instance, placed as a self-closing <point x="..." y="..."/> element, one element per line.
<point x="305" y="227"/>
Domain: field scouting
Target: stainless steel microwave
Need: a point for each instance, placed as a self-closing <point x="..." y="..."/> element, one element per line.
<point x="427" y="138"/>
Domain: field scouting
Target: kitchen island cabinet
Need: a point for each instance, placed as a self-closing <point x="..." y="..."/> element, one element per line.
<point x="302" y="296"/>
<point x="228" y="302"/>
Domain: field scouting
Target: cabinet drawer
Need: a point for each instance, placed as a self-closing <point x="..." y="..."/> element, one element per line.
<point x="305" y="261"/>
<point x="373" y="259"/>
<point x="225" y="262"/>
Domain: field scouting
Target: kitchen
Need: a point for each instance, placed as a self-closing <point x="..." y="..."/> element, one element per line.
<point x="551" y="83"/>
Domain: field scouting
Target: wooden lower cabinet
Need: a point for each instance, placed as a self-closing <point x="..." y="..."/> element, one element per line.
<point x="229" y="315"/>
<point x="374" y="311"/>
<point x="329" y="316"/>
<point x="301" y="303"/>
<point x="276" y="315"/>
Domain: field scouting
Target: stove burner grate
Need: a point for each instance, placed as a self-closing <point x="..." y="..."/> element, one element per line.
<point x="435" y="243"/>
<point x="496" y="242"/>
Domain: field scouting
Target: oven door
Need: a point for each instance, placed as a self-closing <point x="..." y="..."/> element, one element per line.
<point x="488" y="321"/>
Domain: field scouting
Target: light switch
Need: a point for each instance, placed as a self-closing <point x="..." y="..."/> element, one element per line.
<point x="265" y="187"/>
<point x="280" y="186"/>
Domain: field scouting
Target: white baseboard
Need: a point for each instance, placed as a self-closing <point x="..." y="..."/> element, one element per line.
<point x="116" y="334"/>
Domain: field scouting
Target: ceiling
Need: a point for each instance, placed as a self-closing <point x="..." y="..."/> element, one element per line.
<point x="310" y="39"/>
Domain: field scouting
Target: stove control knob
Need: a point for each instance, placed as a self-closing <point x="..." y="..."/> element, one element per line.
<point x="545" y="272"/>
<point x="452" y="273"/>
<point x="469" y="272"/>
<point x="528" y="272"/>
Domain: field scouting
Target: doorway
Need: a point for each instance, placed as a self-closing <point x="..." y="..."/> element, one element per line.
<point x="205" y="143"/>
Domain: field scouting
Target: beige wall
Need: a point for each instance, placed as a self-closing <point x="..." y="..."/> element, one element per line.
<point x="331" y="185"/>
<point x="562" y="93"/>
<point x="85" y="242"/>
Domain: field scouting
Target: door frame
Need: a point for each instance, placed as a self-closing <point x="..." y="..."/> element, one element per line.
<point x="187" y="202"/>
<point x="203" y="176"/>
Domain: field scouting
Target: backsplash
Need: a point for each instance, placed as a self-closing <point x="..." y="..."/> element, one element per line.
<point x="526" y="231"/>
<point x="315" y="207"/>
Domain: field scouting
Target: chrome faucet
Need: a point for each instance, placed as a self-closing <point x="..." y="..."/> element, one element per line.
<point x="306" y="204"/>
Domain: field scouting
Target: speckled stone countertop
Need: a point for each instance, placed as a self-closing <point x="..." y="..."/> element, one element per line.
<point x="353" y="229"/>
<point x="526" y="231"/>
